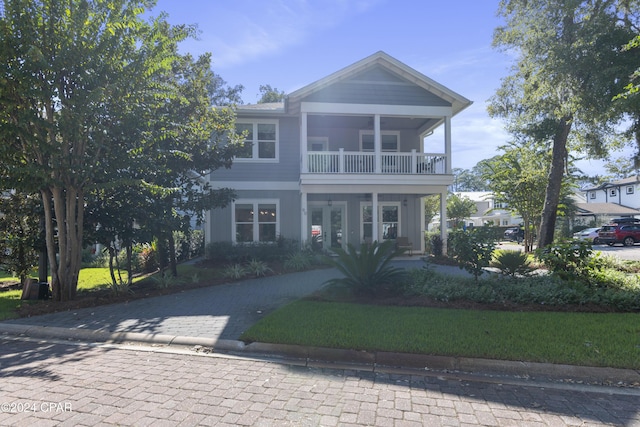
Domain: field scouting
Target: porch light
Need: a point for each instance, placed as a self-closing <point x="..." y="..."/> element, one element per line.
<point x="404" y="202"/>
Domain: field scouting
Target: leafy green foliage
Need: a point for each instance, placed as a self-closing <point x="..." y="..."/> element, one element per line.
<point x="512" y="263"/>
<point x="234" y="271"/>
<point x="459" y="208"/>
<point x="20" y="233"/>
<point x="367" y="271"/>
<point x="473" y="249"/>
<point x="299" y="260"/>
<point x="257" y="268"/>
<point x="568" y="259"/>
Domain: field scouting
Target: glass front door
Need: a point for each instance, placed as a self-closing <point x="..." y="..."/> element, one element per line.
<point x="327" y="227"/>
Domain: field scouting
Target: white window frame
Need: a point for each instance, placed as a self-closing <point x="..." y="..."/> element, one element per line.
<point x="380" y="220"/>
<point x="256" y="218"/>
<point x="592" y="194"/>
<point x="384" y="132"/>
<point x="255" y="143"/>
<point x="613" y="192"/>
<point x="630" y="189"/>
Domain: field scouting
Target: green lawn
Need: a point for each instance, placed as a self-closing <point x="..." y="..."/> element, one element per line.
<point x="588" y="339"/>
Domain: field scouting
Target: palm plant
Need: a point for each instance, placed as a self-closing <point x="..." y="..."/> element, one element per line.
<point x="366" y="271"/>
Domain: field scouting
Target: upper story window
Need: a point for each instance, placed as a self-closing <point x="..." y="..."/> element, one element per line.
<point x="390" y="140"/>
<point x="630" y="189"/>
<point x="261" y="143"/>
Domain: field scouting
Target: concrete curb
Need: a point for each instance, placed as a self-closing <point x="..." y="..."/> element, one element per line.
<point x="340" y="358"/>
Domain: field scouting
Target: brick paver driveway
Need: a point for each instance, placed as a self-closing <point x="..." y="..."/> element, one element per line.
<point x="61" y="384"/>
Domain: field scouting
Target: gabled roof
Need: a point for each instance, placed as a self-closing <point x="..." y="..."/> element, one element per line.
<point x="381" y="59"/>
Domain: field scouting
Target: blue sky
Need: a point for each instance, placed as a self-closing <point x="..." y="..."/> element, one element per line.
<point x="291" y="43"/>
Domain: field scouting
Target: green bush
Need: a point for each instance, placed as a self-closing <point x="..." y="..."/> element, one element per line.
<point x="299" y="260"/>
<point x="512" y="263"/>
<point x="234" y="271"/>
<point x="473" y="248"/>
<point x="257" y="268"/>
<point x="226" y="252"/>
<point x="544" y="290"/>
<point x="367" y="271"/>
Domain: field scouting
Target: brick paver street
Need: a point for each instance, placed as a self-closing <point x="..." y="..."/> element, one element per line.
<point x="46" y="383"/>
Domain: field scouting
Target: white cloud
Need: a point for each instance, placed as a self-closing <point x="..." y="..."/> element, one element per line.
<point x="253" y="30"/>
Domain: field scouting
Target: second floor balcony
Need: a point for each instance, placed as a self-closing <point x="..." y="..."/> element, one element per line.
<point x="386" y="163"/>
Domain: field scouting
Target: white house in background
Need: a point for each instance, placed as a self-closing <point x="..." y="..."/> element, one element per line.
<point x="610" y="200"/>
<point x="488" y="211"/>
<point x="346" y="159"/>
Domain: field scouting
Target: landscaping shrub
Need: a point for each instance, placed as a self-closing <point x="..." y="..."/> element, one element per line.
<point x="512" y="263"/>
<point x="367" y="271"/>
<point x="566" y="258"/>
<point x="226" y="252"/>
<point x="257" y="268"/>
<point x="299" y="260"/>
<point x="544" y="290"/>
<point x="473" y="248"/>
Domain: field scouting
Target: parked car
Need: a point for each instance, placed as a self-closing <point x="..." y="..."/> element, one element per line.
<point x="627" y="234"/>
<point x="515" y="234"/>
<point x="589" y="234"/>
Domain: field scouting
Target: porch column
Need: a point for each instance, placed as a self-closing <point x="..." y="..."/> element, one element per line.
<point x="304" y="221"/>
<point x="447" y="143"/>
<point x="377" y="143"/>
<point x="303" y="145"/>
<point x="374" y="217"/>
<point x="443" y="221"/>
<point x="423" y="226"/>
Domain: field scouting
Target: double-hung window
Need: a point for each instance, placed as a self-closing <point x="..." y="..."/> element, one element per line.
<point x="390" y="141"/>
<point x="256" y="221"/>
<point x="261" y="140"/>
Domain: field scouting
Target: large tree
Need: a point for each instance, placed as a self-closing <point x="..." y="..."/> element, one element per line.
<point x="83" y="84"/>
<point x="570" y="66"/>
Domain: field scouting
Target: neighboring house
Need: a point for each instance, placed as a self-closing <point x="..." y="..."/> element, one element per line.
<point x="610" y="200"/>
<point x="488" y="211"/>
<point x="343" y="160"/>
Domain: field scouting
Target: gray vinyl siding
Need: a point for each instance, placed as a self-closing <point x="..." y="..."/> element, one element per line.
<point x="377" y="86"/>
<point x="349" y="139"/>
<point x="221" y="219"/>
<point x="286" y="169"/>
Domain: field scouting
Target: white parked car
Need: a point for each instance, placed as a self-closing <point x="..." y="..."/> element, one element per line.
<point x="590" y="234"/>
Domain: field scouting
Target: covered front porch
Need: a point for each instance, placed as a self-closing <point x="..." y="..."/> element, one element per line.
<point x="332" y="219"/>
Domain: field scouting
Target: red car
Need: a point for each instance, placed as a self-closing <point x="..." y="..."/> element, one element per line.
<point x="627" y="234"/>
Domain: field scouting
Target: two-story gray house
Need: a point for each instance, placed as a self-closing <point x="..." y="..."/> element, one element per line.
<point x="346" y="159"/>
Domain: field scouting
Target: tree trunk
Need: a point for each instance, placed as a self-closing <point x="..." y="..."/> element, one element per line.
<point x="65" y="258"/>
<point x="554" y="185"/>
<point x="173" y="264"/>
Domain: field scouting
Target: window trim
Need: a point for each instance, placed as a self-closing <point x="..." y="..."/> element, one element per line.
<point x="380" y="221"/>
<point x="613" y="192"/>
<point x="592" y="194"/>
<point x="630" y="189"/>
<point x="255" y="143"/>
<point x="256" y="218"/>
<point x="384" y="132"/>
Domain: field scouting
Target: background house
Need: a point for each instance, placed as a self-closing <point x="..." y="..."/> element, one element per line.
<point x="616" y="199"/>
<point x="346" y="159"/>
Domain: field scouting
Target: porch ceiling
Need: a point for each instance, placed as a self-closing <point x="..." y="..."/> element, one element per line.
<point x="316" y="121"/>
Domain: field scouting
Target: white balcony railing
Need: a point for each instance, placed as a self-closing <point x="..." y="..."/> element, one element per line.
<point x="354" y="162"/>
